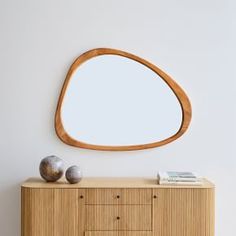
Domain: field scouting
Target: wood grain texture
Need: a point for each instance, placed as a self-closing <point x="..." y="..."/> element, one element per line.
<point x="177" y="90"/>
<point x="119" y="196"/>
<point x="69" y="212"/>
<point x="37" y="212"/>
<point x="99" y="217"/>
<point x="118" y="233"/>
<point x="183" y="212"/>
<point x="62" y="211"/>
<point x="108" y="183"/>
<point x="52" y="212"/>
<point x="120" y="217"/>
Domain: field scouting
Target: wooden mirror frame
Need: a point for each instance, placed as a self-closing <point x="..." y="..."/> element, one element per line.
<point x="178" y="91"/>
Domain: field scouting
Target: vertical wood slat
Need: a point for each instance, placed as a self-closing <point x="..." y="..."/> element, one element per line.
<point x="136" y="196"/>
<point x="52" y="212"/>
<point x="103" y="196"/>
<point x="126" y="196"/>
<point x="131" y="217"/>
<point x="100" y="217"/>
<point x="37" y="211"/>
<point x="118" y="233"/>
<point x="183" y="212"/>
<point x="187" y="211"/>
<point x="69" y="212"/>
<point x="136" y="217"/>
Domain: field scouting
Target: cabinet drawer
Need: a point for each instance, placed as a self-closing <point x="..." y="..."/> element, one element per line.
<point x="119" y="196"/>
<point x="121" y="217"/>
<point x="118" y="233"/>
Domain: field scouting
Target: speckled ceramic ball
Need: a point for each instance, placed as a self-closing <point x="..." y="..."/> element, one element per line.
<point x="73" y="174"/>
<point x="51" y="168"/>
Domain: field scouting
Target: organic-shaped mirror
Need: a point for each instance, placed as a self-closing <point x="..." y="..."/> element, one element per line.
<point x="113" y="100"/>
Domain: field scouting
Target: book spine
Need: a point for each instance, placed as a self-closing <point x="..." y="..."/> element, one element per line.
<point x="198" y="183"/>
<point x="183" y="179"/>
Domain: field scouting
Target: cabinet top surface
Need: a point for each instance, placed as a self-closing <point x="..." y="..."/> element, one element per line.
<point x="109" y="182"/>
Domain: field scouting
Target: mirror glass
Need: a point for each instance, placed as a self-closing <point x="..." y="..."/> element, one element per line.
<point x="116" y="101"/>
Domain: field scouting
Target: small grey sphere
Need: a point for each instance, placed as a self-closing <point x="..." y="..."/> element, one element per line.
<point x="73" y="174"/>
<point x="51" y="168"/>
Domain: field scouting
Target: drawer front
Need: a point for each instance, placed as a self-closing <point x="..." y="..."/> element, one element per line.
<point x="119" y="196"/>
<point x="99" y="217"/>
<point x="118" y="233"/>
<point x="121" y="217"/>
<point x="136" y="217"/>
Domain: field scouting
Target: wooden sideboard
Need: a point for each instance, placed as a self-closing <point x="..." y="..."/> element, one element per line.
<point x="116" y="207"/>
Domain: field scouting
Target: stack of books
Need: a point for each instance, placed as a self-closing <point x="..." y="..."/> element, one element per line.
<point x="179" y="178"/>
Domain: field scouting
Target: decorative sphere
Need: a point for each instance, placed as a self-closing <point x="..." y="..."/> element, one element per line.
<point x="51" y="168"/>
<point x="73" y="174"/>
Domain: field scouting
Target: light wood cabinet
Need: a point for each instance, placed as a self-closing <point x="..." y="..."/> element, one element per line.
<point x="116" y="207"/>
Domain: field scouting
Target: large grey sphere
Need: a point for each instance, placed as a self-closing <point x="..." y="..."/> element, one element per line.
<point x="51" y="168"/>
<point x="73" y="174"/>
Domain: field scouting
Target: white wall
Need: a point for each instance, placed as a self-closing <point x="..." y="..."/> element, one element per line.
<point x="194" y="41"/>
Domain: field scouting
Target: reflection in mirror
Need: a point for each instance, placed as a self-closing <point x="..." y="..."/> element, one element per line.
<point x="114" y="101"/>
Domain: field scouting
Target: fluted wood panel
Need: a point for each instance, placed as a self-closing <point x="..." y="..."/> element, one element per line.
<point x="119" y="196"/>
<point x="136" y="196"/>
<point x="37" y="212"/>
<point x="142" y="208"/>
<point x="101" y="217"/>
<point x="69" y="210"/>
<point x="103" y="196"/>
<point x="183" y="212"/>
<point x="117" y="233"/>
<point x="52" y="212"/>
<point x="136" y="217"/>
<point x="130" y="217"/>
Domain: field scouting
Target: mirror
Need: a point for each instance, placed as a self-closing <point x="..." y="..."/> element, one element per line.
<point x="113" y="100"/>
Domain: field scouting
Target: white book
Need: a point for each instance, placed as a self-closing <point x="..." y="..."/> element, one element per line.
<point x="175" y="176"/>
